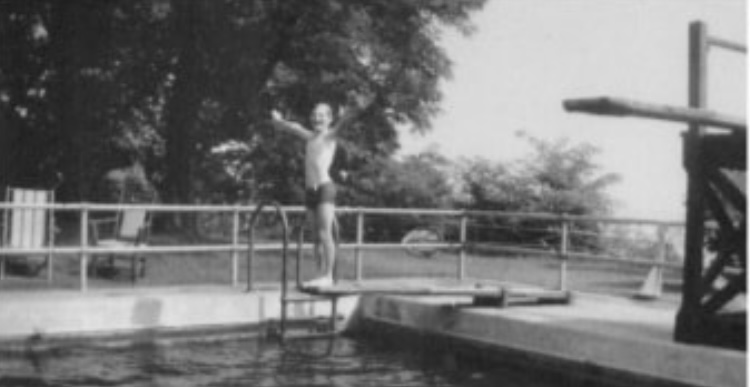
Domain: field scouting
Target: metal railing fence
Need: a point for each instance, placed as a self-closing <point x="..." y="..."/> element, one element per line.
<point x="560" y="237"/>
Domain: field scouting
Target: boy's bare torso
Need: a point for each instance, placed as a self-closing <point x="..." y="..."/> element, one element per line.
<point x="319" y="151"/>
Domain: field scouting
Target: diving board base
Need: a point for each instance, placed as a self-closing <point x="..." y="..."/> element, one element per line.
<point x="518" y="297"/>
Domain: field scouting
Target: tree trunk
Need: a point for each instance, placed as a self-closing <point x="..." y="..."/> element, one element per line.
<point x="182" y="108"/>
<point x="80" y="38"/>
<point x="183" y="105"/>
<point x="66" y="34"/>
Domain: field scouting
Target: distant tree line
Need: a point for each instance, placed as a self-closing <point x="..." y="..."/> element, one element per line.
<point x="556" y="177"/>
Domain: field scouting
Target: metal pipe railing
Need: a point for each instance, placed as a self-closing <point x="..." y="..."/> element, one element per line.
<point x="95" y="207"/>
<point x="280" y="212"/>
<point x="235" y="247"/>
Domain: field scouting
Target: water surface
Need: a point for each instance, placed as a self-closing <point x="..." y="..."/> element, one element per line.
<point x="253" y="362"/>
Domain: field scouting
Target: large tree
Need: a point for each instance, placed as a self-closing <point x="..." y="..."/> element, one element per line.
<point x="77" y="85"/>
<point x="82" y="81"/>
<point x="290" y="54"/>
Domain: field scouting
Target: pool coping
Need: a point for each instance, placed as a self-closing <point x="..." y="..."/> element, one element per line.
<point x="584" y="338"/>
<point x="578" y="337"/>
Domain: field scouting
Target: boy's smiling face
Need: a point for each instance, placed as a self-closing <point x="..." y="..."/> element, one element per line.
<point x="321" y="117"/>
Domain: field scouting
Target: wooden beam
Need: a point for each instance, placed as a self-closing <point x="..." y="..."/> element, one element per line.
<point x="726" y="44"/>
<point x="728" y="190"/>
<point x="623" y="107"/>
<point x="718" y="300"/>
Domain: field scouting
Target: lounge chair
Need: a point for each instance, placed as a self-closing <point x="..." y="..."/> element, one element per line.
<point x="131" y="227"/>
<point x="28" y="228"/>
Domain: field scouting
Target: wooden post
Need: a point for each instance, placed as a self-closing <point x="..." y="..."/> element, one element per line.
<point x="84" y="257"/>
<point x="235" y="245"/>
<point x="462" y="254"/>
<point x="688" y="323"/>
<point x="564" y="238"/>
<point x="358" y="249"/>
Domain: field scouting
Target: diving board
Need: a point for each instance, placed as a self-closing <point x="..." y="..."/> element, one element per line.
<point x="355" y="288"/>
<point x="623" y="107"/>
<point x="482" y="295"/>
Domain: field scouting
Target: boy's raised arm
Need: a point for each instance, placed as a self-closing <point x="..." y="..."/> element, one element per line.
<point x="279" y="123"/>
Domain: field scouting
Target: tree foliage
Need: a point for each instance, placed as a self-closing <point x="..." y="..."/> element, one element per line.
<point x="181" y="89"/>
<point x="557" y="178"/>
<point x="416" y="181"/>
<point x="85" y="84"/>
<point x="78" y="82"/>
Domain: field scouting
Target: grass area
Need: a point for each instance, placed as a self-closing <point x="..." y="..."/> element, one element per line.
<point x="215" y="268"/>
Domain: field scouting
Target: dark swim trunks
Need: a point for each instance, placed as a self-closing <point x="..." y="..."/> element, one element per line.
<point x="325" y="193"/>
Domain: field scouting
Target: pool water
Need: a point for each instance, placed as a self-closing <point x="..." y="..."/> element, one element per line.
<point x="251" y="362"/>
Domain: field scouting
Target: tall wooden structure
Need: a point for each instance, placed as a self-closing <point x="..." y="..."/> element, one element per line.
<point x="713" y="309"/>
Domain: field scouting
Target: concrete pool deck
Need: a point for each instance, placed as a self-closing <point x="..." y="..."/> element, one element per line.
<point x="597" y="332"/>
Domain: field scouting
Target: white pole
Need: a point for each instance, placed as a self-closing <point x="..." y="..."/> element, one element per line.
<point x="462" y="254"/>
<point x="235" y="246"/>
<point x="564" y="240"/>
<point x="84" y="258"/>
<point x="358" y="249"/>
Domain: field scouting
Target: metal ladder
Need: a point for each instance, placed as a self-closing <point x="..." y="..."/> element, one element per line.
<point x="299" y="327"/>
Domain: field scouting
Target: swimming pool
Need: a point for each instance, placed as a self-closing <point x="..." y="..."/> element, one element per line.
<point x="253" y="362"/>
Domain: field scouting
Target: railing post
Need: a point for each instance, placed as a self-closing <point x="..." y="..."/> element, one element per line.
<point x="50" y="244"/>
<point x="5" y="239"/>
<point x="564" y="242"/>
<point x="661" y="256"/>
<point x="462" y="254"/>
<point x="84" y="256"/>
<point x="360" y="239"/>
<point x="235" y="245"/>
<point x="250" y="253"/>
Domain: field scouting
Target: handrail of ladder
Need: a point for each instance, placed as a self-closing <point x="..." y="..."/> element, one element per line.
<point x="251" y="243"/>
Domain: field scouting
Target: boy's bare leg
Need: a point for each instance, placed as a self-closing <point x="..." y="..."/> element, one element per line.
<point x="324" y="243"/>
<point x="326" y="213"/>
<point x="312" y="218"/>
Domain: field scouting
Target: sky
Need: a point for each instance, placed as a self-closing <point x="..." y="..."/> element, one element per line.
<point x="527" y="56"/>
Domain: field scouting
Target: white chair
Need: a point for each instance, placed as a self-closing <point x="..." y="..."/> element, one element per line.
<point x="129" y="228"/>
<point x="28" y="228"/>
